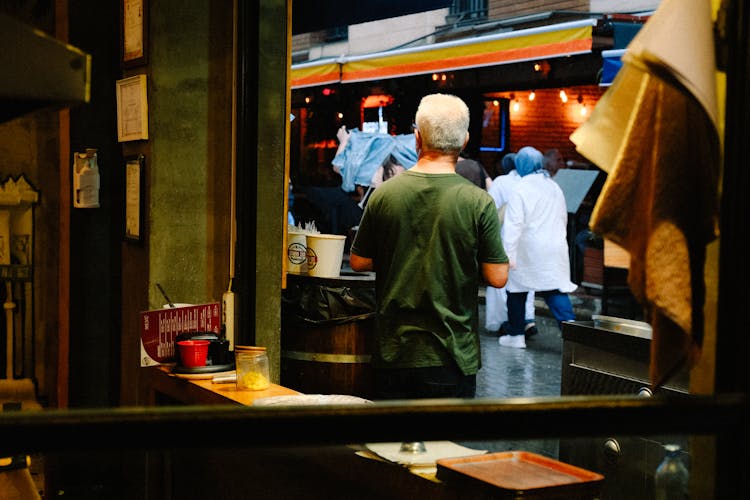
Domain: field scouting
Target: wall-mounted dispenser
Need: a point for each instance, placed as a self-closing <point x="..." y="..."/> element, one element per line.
<point x="85" y="179"/>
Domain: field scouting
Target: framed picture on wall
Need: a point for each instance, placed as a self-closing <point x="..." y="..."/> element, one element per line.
<point x="132" y="109"/>
<point x="134" y="29"/>
<point x="134" y="206"/>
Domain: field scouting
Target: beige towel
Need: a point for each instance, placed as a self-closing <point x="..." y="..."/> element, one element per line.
<point x="660" y="146"/>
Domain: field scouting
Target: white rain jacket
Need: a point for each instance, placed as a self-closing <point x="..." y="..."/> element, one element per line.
<point x="534" y="236"/>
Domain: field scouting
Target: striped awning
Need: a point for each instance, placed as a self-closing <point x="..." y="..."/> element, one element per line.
<point x="555" y="40"/>
<point x="321" y="72"/>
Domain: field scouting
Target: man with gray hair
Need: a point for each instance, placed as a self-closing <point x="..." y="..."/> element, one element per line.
<point x="553" y="161"/>
<point x="429" y="234"/>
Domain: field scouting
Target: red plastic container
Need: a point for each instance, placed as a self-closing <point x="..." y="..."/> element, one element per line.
<point x="520" y="474"/>
<point x="193" y="353"/>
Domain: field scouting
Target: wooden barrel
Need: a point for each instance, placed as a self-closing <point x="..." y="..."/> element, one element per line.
<point x="332" y="359"/>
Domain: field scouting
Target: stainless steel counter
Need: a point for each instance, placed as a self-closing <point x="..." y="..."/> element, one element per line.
<point x="608" y="355"/>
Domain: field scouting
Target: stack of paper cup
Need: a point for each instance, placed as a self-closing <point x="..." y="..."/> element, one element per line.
<point x="296" y="252"/>
<point x="325" y="253"/>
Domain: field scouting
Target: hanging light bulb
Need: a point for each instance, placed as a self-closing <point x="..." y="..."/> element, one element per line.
<point x="496" y="103"/>
<point x="516" y="106"/>
<point x="583" y="106"/>
<point x="532" y="96"/>
<point x="563" y="96"/>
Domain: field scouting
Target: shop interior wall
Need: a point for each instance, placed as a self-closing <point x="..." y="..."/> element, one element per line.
<point x="186" y="234"/>
<point x="185" y="238"/>
<point x="96" y="233"/>
<point x="76" y="251"/>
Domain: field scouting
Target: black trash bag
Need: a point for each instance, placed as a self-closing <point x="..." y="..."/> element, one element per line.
<point x="315" y="305"/>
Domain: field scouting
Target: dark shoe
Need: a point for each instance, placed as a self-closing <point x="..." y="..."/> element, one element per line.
<point x="531" y="330"/>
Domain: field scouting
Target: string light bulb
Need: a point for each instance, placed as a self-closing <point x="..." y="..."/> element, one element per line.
<point x="516" y="106"/>
<point x="532" y="95"/>
<point x="563" y="96"/>
<point x="542" y="67"/>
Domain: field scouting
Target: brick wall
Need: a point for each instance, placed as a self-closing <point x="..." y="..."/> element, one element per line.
<point x="546" y="122"/>
<point x="504" y="9"/>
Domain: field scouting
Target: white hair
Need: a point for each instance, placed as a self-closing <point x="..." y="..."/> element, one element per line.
<point x="443" y="123"/>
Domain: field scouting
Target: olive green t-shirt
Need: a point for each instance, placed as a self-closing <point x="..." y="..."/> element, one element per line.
<point x="427" y="234"/>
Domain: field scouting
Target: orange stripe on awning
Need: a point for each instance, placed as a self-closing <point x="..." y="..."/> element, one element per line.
<point x="324" y="73"/>
<point x="466" y="62"/>
<point x="556" y="40"/>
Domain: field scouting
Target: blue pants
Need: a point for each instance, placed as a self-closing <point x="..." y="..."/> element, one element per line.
<point x="557" y="301"/>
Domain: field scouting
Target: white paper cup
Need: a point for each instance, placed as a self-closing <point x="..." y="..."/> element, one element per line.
<point x="296" y="253"/>
<point x="325" y="252"/>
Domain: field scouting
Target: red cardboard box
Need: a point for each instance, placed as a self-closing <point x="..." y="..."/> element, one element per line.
<point x="160" y="327"/>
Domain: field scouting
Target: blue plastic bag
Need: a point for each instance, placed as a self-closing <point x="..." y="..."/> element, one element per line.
<point x="365" y="152"/>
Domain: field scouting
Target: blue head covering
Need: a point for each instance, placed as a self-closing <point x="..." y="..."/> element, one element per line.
<point x="529" y="160"/>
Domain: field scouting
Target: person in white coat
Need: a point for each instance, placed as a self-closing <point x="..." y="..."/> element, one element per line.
<point x="496" y="311"/>
<point x="534" y="236"/>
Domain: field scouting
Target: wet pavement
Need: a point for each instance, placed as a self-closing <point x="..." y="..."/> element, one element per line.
<point x="535" y="371"/>
<point x="512" y="372"/>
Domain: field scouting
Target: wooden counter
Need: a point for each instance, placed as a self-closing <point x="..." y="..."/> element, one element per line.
<point x="319" y="472"/>
<point x="315" y="472"/>
<point x="162" y="387"/>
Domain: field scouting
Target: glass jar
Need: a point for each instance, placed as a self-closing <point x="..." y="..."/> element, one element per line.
<point x="252" y="369"/>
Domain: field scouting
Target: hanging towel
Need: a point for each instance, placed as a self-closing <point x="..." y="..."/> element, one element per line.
<point x="655" y="133"/>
